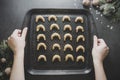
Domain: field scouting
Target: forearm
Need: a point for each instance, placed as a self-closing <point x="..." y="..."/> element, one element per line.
<point x="99" y="71"/>
<point x="18" y="67"/>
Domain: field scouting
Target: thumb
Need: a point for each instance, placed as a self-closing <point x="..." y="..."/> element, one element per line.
<point x="95" y="41"/>
<point x="24" y="32"/>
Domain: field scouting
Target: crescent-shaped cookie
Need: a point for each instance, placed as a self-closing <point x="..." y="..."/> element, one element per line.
<point x="55" y="35"/>
<point x="67" y="18"/>
<point x="79" y="28"/>
<point x="40" y="27"/>
<point x="69" y="56"/>
<point x="41" y="45"/>
<point x="80" y="58"/>
<point x="39" y="17"/>
<point x="42" y="57"/>
<point x="80" y="47"/>
<point x="39" y="36"/>
<point x="56" y="45"/>
<point x="67" y="35"/>
<point x="68" y="46"/>
<point x="52" y="26"/>
<point x="79" y="19"/>
<point x="67" y="27"/>
<point x="52" y="17"/>
<point x="56" y="57"/>
<point x="80" y="37"/>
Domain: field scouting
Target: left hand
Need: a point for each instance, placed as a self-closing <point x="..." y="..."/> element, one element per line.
<point x="17" y="40"/>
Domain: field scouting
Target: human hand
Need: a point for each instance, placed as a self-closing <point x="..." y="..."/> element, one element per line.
<point x="17" y="40"/>
<point x="100" y="50"/>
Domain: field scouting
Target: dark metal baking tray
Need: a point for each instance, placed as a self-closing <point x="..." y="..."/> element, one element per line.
<point x="62" y="68"/>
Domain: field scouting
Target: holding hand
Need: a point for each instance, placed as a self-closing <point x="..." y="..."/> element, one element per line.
<point x="17" y="40"/>
<point x="17" y="43"/>
<point x="100" y="50"/>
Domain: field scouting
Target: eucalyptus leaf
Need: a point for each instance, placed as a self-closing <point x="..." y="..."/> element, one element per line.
<point x="108" y="9"/>
<point x="5" y="52"/>
<point x="111" y="10"/>
<point x="102" y="2"/>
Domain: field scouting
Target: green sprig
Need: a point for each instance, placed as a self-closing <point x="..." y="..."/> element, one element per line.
<point x="5" y="52"/>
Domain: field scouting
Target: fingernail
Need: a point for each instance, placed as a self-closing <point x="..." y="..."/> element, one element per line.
<point x="26" y="28"/>
<point x="95" y="36"/>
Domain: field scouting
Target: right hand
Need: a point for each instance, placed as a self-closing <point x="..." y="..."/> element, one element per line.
<point x="100" y="50"/>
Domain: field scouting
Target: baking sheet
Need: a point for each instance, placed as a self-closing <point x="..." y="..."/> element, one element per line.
<point x="63" y="68"/>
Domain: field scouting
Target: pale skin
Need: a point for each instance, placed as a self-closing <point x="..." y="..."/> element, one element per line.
<point x="17" y="43"/>
<point x="99" y="52"/>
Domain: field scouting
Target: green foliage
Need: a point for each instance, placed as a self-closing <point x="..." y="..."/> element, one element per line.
<point x="107" y="9"/>
<point x="116" y="17"/>
<point x="7" y="54"/>
<point x="102" y="2"/>
<point x="111" y="10"/>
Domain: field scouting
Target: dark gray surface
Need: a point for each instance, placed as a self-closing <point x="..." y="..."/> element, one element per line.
<point x="12" y="14"/>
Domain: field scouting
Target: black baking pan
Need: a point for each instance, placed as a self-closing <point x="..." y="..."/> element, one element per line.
<point x="33" y="67"/>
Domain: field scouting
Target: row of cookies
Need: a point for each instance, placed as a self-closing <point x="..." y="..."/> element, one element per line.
<point x="64" y="18"/>
<point x="57" y="35"/>
<point x="57" y="57"/>
<point x="57" y="46"/>
<point x="41" y="27"/>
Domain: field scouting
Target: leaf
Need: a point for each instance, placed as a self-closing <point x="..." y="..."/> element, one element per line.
<point x="5" y="52"/>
